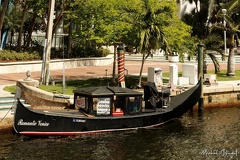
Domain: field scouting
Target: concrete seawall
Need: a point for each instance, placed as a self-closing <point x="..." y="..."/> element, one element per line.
<point x="16" y="67"/>
<point x="222" y="95"/>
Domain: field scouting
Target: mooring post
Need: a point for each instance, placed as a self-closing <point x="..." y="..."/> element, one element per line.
<point x="200" y="76"/>
<point x="121" y="67"/>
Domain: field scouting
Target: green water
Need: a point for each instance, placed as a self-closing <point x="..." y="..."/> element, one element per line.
<point x="213" y="135"/>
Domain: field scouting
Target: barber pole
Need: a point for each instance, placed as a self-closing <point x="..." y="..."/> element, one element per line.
<point x="121" y="69"/>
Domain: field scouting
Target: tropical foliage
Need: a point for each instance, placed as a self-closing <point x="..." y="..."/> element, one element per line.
<point x="144" y="24"/>
<point x="158" y="27"/>
<point x="230" y="23"/>
<point x="207" y="22"/>
<point x="88" y="24"/>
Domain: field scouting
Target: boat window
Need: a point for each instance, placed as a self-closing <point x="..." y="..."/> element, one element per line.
<point x="81" y="103"/>
<point x="102" y="106"/>
<point x="133" y="104"/>
<point x="119" y="102"/>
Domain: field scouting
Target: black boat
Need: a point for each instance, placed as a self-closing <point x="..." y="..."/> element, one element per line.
<point x="105" y="109"/>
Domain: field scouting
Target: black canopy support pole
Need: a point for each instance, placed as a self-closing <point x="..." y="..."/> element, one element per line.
<point x="200" y="76"/>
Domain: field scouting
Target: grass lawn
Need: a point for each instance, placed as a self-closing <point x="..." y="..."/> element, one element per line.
<point x="131" y="82"/>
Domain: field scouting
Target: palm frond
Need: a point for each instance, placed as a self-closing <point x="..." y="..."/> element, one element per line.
<point x="232" y="5"/>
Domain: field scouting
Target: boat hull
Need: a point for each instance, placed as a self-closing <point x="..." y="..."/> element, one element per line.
<point x="46" y="124"/>
<point x="40" y="123"/>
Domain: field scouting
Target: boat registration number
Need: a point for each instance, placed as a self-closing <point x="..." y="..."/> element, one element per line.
<point x="79" y="120"/>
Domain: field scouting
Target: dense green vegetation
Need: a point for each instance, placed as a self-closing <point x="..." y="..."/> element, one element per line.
<point x="7" y="56"/>
<point x="94" y="23"/>
<point x="86" y="26"/>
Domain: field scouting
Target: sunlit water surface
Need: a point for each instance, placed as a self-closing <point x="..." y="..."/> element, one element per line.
<point x="213" y="135"/>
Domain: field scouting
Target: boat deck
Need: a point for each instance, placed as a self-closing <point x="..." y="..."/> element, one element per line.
<point x="65" y="112"/>
<point x="78" y="114"/>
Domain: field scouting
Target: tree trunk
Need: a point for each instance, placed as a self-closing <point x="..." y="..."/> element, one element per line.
<point x="2" y="16"/>
<point x="141" y="70"/>
<point x="29" y="38"/>
<point x="231" y="62"/>
<point x="231" y="58"/>
<point x="46" y="61"/>
<point x="20" y="32"/>
<point x="114" y="65"/>
<point x="11" y="38"/>
<point x="69" y="39"/>
<point x="43" y="22"/>
<point x="57" y="21"/>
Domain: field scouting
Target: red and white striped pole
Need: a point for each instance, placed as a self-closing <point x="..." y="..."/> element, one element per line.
<point x="121" y="67"/>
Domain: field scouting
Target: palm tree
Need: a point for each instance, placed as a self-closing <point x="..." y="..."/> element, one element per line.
<point x="158" y="27"/>
<point x="212" y="46"/>
<point x="232" y="28"/>
<point x="150" y="26"/>
<point x="205" y="23"/>
<point x="152" y="37"/>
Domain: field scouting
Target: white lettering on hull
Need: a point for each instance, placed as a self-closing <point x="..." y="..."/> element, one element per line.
<point x="79" y="120"/>
<point x="21" y="122"/>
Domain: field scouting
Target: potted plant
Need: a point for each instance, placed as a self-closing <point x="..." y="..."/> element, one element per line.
<point x="174" y="57"/>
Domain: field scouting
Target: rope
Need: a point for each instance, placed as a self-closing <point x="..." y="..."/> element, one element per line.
<point x="8" y="111"/>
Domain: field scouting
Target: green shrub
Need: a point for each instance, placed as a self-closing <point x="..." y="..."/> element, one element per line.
<point x="78" y="52"/>
<point x="11" y="56"/>
<point x="103" y="52"/>
<point x="31" y="54"/>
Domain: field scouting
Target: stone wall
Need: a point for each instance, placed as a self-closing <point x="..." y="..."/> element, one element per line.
<point x="38" y="98"/>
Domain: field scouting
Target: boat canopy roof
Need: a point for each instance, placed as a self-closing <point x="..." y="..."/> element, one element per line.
<point x="107" y="91"/>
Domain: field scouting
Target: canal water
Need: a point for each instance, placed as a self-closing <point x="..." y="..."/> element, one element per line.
<point x="213" y="135"/>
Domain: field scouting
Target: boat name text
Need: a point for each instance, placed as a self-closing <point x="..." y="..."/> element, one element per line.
<point x="33" y="123"/>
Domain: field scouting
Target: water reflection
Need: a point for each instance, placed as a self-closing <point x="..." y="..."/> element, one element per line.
<point x="190" y="137"/>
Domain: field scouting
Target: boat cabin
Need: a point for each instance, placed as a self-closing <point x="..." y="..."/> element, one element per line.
<point x="108" y="101"/>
